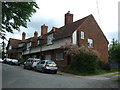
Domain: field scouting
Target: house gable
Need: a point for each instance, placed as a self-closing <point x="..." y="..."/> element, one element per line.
<point x="92" y="31"/>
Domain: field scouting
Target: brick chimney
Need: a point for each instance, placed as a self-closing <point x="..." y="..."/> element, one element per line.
<point x="44" y="29"/>
<point x="23" y="36"/>
<point x="35" y="34"/>
<point x="68" y="18"/>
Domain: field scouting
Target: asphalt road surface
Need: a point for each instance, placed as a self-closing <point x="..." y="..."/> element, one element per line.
<point x="17" y="77"/>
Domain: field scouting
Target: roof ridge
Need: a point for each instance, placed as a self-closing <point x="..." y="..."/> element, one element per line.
<point x="15" y="39"/>
<point x="85" y="19"/>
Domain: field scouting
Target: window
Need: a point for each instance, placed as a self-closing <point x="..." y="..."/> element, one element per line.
<point x="49" y="39"/>
<point x="74" y="38"/>
<point x="42" y="62"/>
<point x="90" y="43"/>
<point x="20" y="45"/>
<point x="28" y="45"/>
<point x="48" y="57"/>
<point x="59" y="56"/>
<point x="38" y="42"/>
<point x="10" y="47"/>
<point x="82" y="35"/>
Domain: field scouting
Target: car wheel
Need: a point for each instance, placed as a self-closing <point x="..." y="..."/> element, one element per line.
<point x="35" y="68"/>
<point x="42" y="70"/>
<point x="24" y="67"/>
<point x="29" y="67"/>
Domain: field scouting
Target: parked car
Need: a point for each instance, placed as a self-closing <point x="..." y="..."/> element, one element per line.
<point x="31" y="63"/>
<point x="47" y="66"/>
<point x="7" y="60"/>
<point x="1" y="60"/>
<point x="14" y="62"/>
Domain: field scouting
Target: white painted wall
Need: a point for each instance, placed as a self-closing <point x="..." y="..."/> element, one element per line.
<point x="45" y="47"/>
<point x="74" y="37"/>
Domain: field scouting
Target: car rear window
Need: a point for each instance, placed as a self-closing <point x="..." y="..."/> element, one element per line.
<point x="50" y="62"/>
<point x="37" y="61"/>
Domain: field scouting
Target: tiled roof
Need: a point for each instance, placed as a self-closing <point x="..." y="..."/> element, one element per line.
<point x="67" y="30"/>
<point x="14" y="42"/>
<point x="59" y="33"/>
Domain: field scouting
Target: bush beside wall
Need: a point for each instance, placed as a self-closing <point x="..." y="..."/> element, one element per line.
<point x="85" y="62"/>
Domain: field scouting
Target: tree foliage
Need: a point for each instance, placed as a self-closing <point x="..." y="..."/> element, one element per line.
<point x="16" y="14"/>
<point x="114" y="53"/>
<point x="85" y="62"/>
<point x="70" y="49"/>
<point x="73" y="49"/>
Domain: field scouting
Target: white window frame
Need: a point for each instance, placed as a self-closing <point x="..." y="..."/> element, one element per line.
<point x="28" y="45"/>
<point x="74" y="38"/>
<point x="90" y="43"/>
<point x="82" y="35"/>
<point x="10" y="47"/>
<point x="59" y="56"/>
<point x="20" y="44"/>
<point x="38" y="42"/>
<point x="49" y="39"/>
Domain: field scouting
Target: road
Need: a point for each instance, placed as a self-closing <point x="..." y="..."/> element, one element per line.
<point x="17" y="77"/>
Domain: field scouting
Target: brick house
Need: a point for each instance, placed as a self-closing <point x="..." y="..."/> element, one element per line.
<point x="47" y="46"/>
<point x="12" y="48"/>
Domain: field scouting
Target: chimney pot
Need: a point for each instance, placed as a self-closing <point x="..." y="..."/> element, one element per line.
<point x="23" y="36"/>
<point x="35" y="34"/>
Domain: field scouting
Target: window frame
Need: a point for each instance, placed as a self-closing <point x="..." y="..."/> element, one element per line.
<point x="82" y="35"/>
<point x="50" y="38"/>
<point x="28" y="47"/>
<point x="57" y="57"/>
<point x="90" y="45"/>
<point x="49" y="56"/>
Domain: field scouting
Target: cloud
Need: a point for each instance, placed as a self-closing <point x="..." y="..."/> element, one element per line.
<point x="52" y="12"/>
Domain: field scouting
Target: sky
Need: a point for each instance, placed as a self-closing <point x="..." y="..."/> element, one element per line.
<point x="51" y="13"/>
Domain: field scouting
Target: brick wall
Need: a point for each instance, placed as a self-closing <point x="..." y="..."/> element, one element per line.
<point x="92" y="31"/>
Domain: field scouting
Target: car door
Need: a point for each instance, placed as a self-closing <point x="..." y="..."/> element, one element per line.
<point x="41" y="65"/>
<point x="38" y="66"/>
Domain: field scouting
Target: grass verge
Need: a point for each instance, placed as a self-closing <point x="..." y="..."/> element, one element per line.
<point x="98" y="72"/>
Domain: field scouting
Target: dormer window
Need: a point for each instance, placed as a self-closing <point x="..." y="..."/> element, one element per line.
<point x="49" y="39"/>
<point x="28" y="45"/>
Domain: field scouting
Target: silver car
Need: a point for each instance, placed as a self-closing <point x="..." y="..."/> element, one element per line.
<point x="31" y="63"/>
<point x="14" y="62"/>
<point x="47" y="66"/>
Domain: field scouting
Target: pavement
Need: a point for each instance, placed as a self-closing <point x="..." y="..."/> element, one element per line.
<point x="112" y="76"/>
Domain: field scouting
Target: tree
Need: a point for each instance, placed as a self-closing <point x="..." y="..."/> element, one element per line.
<point x="83" y="59"/>
<point x="16" y="14"/>
<point x="70" y="49"/>
<point x="114" y="42"/>
<point x="114" y="53"/>
<point x="73" y="50"/>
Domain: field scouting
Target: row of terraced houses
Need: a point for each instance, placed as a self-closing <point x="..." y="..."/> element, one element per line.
<point x="85" y="32"/>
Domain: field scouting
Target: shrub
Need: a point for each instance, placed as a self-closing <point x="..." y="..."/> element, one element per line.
<point x="104" y="65"/>
<point x="85" y="62"/>
<point x="114" y="53"/>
